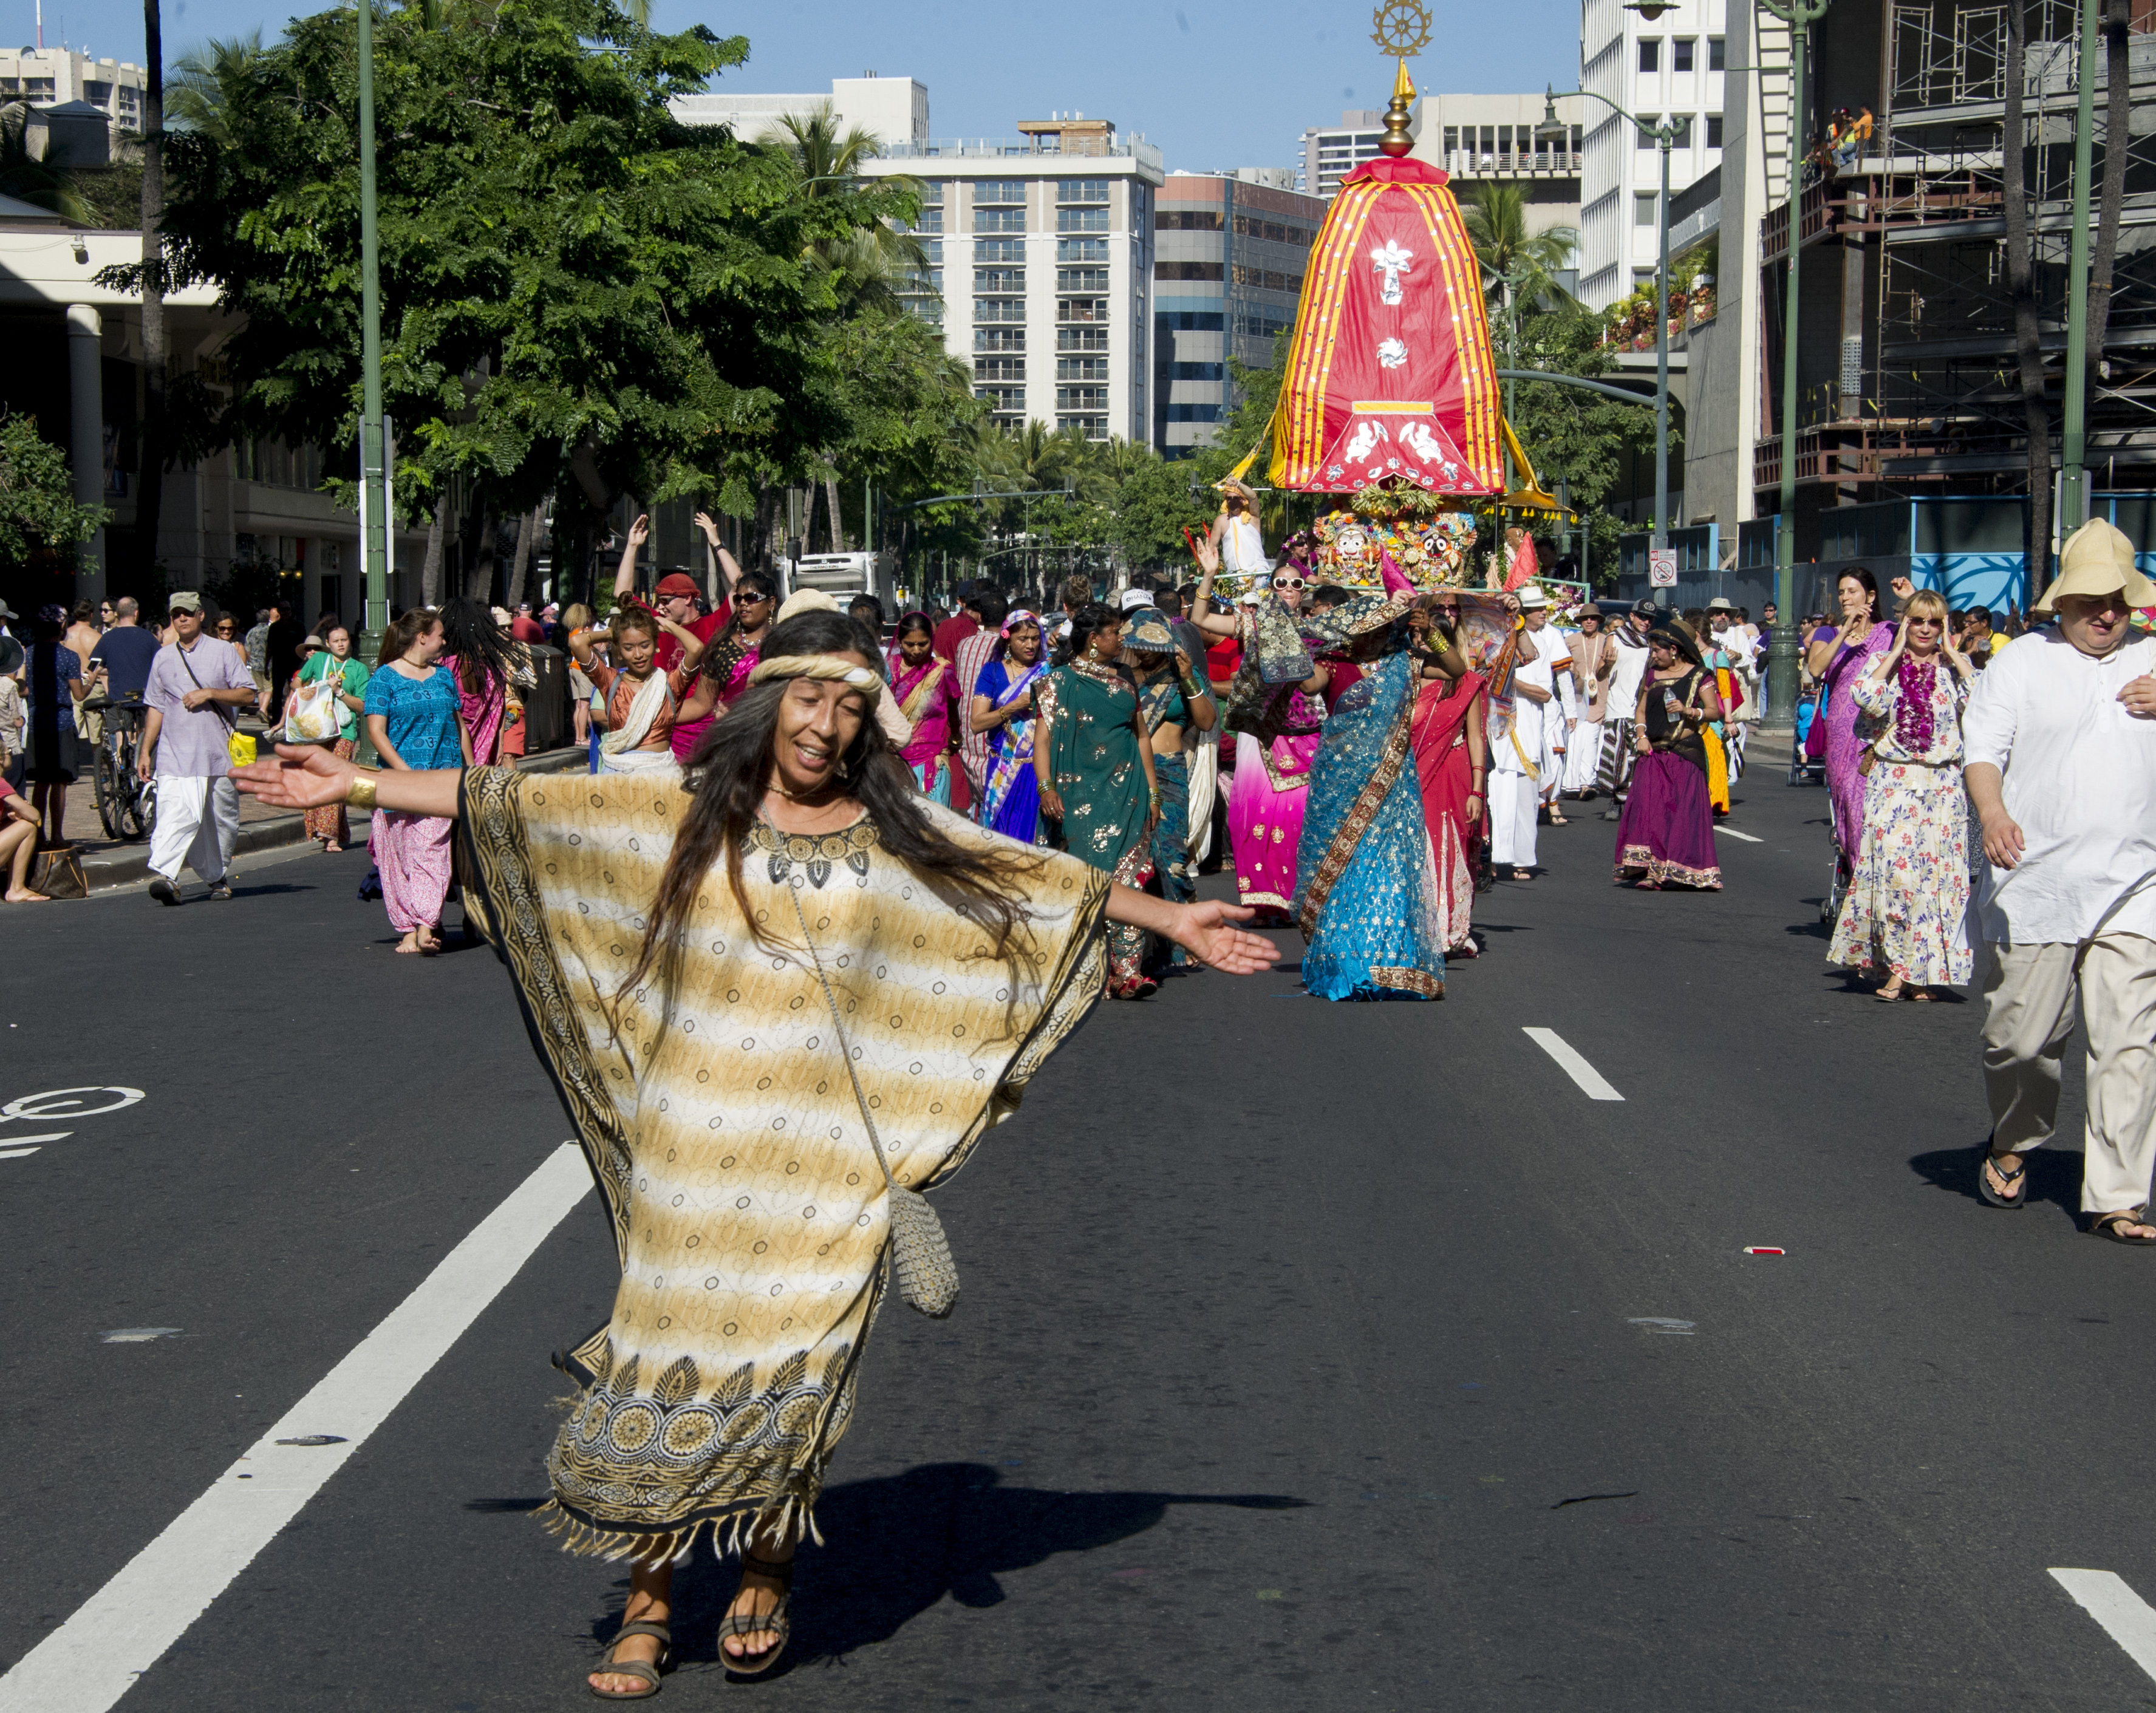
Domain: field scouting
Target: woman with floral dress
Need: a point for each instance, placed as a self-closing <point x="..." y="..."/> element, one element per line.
<point x="1905" y="914"/>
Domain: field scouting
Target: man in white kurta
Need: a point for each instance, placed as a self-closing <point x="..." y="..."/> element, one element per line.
<point x="1592" y="657"/>
<point x="2061" y="743"/>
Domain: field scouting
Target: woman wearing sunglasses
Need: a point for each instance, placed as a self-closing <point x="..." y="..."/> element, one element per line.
<point x="1904" y="920"/>
<point x="1279" y="726"/>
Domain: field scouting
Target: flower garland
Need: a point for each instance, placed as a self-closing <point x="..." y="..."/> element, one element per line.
<point x="1919" y="680"/>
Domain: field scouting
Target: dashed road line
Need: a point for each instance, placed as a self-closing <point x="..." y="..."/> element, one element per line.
<point x="1734" y="833"/>
<point x="1577" y="1068"/>
<point x="2127" y="1617"/>
<point x="122" y="1630"/>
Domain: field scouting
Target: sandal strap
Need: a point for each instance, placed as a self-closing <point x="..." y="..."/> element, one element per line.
<point x="641" y="1669"/>
<point x="2123" y="1216"/>
<point x="774" y="1621"/>
<point x="779" y="1571"/>
<point x="2002" y="1174"/>
<point x="659" y="1630"/>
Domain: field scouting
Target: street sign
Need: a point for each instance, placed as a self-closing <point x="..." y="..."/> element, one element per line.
<point x="1662" y="567"/>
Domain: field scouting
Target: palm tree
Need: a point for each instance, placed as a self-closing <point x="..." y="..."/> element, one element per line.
<point x="199" y="94"/>
<point x="1527" y="264"/>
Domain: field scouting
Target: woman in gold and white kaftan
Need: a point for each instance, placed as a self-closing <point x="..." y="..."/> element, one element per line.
<point x="651" y="924"/>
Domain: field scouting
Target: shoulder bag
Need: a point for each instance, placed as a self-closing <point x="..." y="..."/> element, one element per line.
<point x="238" y="745"/>
<point x="919" y="1254"/>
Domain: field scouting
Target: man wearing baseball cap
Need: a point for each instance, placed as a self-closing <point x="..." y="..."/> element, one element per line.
<point x="2060" y="737"/>
<point x="677" y="597"/>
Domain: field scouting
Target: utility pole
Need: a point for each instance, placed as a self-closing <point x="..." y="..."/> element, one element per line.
<point x="2073" y="450"/>
<point x="375" y="522"/>
<point x="1781" y="646"/>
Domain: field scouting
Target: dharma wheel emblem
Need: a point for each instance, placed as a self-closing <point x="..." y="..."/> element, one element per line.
<point x="1403" y="28"/>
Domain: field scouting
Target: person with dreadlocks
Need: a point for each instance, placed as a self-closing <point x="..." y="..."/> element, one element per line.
<point x="476" y="653"/>
<point x="779" y="997"/>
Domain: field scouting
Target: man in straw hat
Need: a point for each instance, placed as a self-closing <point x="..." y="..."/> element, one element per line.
<point x="2060" y="741"/>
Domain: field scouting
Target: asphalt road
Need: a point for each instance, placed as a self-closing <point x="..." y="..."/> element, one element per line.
<point x="1309" y="1355"/>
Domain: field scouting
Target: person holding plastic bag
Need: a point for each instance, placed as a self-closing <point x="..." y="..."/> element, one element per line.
<point x="327" y="709"/>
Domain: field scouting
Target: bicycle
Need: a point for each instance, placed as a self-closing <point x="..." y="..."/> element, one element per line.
<point x="126" y="803"/>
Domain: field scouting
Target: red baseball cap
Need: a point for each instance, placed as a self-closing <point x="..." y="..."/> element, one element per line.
<point x="678" y="583"/>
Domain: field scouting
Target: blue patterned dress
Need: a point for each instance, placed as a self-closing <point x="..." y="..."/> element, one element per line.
<point x="1366" y="896"/>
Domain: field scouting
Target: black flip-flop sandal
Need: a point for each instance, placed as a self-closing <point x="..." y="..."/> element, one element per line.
<point x="646" y="1670"/>
<point x="2108" y="1224"/>
<point x="2019" y="1198"/>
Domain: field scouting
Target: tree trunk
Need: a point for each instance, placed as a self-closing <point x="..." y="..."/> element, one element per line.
<point x="149" y="494"/>
<point x="831" y="503"/>
<point x="481" y="557"/>
<point x="2118" y="112"/>
<point x="430" y="573"/>
<point x="2020" y="278"/>
<point x="528" y="532"/>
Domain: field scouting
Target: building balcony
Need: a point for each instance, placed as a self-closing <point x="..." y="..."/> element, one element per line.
<point x="1135" y="149"/>
<point x="1475" y="163"/>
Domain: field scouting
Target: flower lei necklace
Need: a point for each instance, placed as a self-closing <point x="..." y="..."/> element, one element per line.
<point x="1912" y="709"/>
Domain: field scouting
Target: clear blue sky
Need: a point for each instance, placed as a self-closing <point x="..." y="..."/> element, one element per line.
<point x="1216" y="85"/>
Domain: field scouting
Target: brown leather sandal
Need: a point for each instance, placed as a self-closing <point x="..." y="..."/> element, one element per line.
<point x="775" y="1622"/>
<point x="646" y="1671"/>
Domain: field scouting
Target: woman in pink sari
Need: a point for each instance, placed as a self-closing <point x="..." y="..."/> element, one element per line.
<point x="1839" y="657"/>
<point x="926" y="691"/>
<point x="1452" y="761"/>
<point x="476" y="651"/>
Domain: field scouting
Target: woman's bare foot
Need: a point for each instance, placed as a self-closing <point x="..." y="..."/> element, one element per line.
<point x="649" y="1590"/>
<point x="23" y="895"/>
<point x="410" y="945"/>
<point x="330" y="847"/>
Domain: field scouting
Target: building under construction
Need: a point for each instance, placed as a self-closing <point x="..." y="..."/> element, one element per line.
<point x="1913" y="449"/>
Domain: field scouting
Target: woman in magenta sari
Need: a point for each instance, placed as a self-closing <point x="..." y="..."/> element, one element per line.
<point x="927" y="696"/>
<point x="1003" y="707"/>
<point x="1452" y="761"/>
<point x="729" y="657"/>
<point x="1837" y="659"/>
<point x="476" y="652"/>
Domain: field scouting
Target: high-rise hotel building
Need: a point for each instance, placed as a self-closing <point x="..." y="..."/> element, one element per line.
<point x="1040" y="268"/>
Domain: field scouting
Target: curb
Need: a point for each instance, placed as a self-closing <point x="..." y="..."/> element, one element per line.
<point x="123" y="865"/>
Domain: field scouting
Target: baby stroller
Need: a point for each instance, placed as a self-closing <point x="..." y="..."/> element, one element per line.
<point x="1808" y="753"/>
<point x="1837" y="886"/>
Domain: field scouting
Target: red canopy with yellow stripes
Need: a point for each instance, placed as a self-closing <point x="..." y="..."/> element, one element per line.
<point x="1390" y="374"/>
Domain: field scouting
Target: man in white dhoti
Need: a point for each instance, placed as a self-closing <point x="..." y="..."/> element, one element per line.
<point x="1236" y="538"/>
<point x="1594" y="655"/>
<point x="1625" y="674"/>
<point x="1516" y="758"/>
<point x="2061" y="748"/>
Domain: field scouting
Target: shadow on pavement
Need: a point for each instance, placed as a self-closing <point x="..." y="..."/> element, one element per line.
<point x="2054" y="1175"/>
<point x="904" y="1542"/>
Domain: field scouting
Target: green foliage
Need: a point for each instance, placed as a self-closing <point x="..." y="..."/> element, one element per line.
<point x="196" y="87"/>
<point x="37" y="509"/>
<point x="33" y="182"/>
<point x="112" y="195"/>
<point x="568" y="273"/>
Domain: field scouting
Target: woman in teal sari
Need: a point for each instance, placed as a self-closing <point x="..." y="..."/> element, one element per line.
<point x="1367" y="897"/>
<point x="1099" y="799"/>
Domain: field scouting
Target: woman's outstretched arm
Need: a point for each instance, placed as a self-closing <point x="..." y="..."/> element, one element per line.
<point x="304" y="777"/>
<point x="1206" y="930"/>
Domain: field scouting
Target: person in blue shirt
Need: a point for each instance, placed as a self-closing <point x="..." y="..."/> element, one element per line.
<point x="124" y="651"/>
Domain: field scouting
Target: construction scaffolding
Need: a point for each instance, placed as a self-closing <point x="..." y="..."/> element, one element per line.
<point x="1926" y="396"/>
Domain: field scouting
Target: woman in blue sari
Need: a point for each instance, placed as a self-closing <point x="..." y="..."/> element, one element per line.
<point x="1003" y="708"/>
<point x="1366" y="896"/>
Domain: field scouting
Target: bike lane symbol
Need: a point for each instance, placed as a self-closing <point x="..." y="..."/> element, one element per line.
<point x="57" y="1103"/>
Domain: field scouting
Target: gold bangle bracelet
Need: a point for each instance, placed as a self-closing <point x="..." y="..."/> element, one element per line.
<point x="361" y="794"/>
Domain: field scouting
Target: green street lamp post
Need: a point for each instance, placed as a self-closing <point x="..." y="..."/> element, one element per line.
<point x="375" y="522"/>
<point x="1665" y="134"/>
<point x="1781" y="646"/>
<point x="2073" y="449"/>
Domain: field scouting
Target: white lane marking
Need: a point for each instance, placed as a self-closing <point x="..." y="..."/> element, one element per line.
<point x="15" y="1153"/>
<point x="122" y="1630"/>
<point x="54" y="1103"/>
<point x="2125" y="1616"/>
<point x="1734" y="833"/>
<point x="1575" y="1067"/>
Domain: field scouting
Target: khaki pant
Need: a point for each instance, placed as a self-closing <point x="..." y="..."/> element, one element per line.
<point x="2029" y="1014"/>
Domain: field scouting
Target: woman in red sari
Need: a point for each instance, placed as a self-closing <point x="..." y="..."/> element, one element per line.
<point x="927" y="689"/>
<point x="1452" y="760"/>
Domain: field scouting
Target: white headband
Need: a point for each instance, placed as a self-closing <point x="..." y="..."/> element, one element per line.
<point x="832" y="668"/>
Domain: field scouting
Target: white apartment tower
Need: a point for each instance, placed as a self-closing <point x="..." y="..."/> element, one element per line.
<point x="48" y="77"/>
<point x="1669" y="66"/>
<point x="1330" y="152"/>
<point x="1040" y="268"/>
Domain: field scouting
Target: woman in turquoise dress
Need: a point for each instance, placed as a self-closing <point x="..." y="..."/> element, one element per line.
<point x="1099" y="798"/>
<point x="1366" y="895"/>
<point x="1177" y="704"/>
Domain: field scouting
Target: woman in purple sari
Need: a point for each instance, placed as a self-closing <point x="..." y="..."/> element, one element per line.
<point x="1839" y="657"/>
<point x="1665" y="837"/>
<point x="1002" y="707"/>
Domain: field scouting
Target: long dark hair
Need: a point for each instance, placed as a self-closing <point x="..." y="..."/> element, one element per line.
<point x="1870" y="586"/>
<point x="480" y="645"/>
<point x="1087" y="622"/>
<point x="730" y="772"/>
<point x="406" y="629"/>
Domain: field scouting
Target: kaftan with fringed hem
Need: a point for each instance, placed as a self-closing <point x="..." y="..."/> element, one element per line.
<point x="749" y="1213"/>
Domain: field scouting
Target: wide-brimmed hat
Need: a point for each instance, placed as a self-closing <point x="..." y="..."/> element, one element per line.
<point x="310" y="642"/>
<point x="1722" y="603"/>
<point x="2098" y="560"/>
<point x="1146" y="630"/>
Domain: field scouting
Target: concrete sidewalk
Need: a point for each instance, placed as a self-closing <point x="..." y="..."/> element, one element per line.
<point x="124" y="865"/>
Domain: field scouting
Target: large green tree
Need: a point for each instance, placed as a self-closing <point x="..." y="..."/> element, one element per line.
<point x="37" y="509"/>
<point x="581" y="295"/>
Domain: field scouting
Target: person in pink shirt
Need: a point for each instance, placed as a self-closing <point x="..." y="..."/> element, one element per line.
<point x="926" y="688"/>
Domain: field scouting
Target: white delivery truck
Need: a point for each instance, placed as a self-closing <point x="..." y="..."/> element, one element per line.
<point x="843" y="576"/>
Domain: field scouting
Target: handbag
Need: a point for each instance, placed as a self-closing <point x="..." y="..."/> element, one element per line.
<point x="919" y="1254"/>
<point x="313" y="715"/>
<point x="57" y="872"/>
